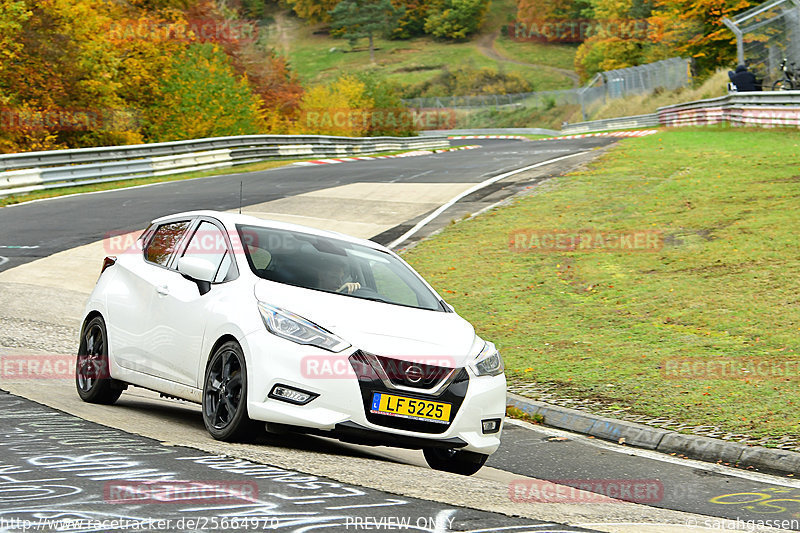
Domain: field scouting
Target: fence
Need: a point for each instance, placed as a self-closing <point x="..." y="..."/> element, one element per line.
<point x="765" y="34"/>
<point x="667" y="74"/>
<point x="31" y="171"/>
<point x="765" y="109"/>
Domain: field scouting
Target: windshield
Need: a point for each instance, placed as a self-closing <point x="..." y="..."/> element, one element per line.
<point x="333" y="265"/>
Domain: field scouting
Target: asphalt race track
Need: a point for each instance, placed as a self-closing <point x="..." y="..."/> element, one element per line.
<point x="63" y="459"/>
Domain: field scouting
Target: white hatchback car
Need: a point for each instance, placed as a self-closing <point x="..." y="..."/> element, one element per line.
<point x="306" y="330"/>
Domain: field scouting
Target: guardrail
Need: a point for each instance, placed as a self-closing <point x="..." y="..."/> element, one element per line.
<point x="31" y="171"/>
<point x="766" y="109"/>
<point x="491" y="131"/>
<point x="621" y="123"/>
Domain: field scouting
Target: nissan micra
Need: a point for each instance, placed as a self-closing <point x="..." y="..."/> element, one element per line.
<point x="302" y="329"/>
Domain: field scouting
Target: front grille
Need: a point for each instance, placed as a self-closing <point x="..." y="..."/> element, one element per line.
<point x="450" y="385"/>
<point x="412" y="374"/>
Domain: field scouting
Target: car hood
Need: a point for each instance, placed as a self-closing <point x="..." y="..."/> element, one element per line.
<point x="376" y="327"/>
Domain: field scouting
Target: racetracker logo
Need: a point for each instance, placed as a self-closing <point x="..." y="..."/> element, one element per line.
<point x="201" y="492"/>
<point x="397" y="119"/>
<point x="202" y="242"/>
<point x="584" y="240"/>
<point x="68" y="119"/>
<point x="413" y="369"/>
<point x="730" y="368"/>
<point x="577" y="30"/>
<point x="51" y="366"/>
<point x="204" y="30"/>
<point x="586" y="490"/>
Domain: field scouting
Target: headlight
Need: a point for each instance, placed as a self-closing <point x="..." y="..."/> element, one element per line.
<point x="295" y="328"/>
<point x="488" y="362"/>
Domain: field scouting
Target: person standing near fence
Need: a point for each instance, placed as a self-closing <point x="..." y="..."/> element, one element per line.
<point x="743" y="79"/>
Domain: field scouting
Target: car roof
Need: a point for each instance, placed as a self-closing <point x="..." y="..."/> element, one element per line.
<point x="232" y="219"/>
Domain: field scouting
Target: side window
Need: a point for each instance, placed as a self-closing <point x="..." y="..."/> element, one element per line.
<point x="164" y="241"/>
<point x="209" y="243"/>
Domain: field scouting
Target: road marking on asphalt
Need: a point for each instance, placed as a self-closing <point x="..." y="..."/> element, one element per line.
<point x="444" y="207"/>
<point x="75" y="269"/>
<point x="361" y="209"/>
<point x="7" y="246"/>
<point x="658" y="456"/>
<point x="3" y="260"/>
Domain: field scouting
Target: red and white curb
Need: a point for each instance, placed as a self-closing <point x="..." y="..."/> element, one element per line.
<point x="517" y="137"/>
<point x="635" y="133"/>
<point x="336" y="160"/>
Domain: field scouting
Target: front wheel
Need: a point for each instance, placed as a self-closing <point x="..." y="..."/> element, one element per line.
<point x="225" y="395"/>
<point x="92" y="378"/>
<point x="455" y="461"/>
<point x="783" y="85"/>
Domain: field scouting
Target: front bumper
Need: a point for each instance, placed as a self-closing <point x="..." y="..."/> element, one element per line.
<point x="340" y="410"/>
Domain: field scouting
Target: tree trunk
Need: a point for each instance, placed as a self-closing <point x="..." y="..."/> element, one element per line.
<point x="371" y="49"/>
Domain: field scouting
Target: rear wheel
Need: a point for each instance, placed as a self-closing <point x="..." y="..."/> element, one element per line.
<point x="455" y="461"/>
<point x="92" y="377"/>
<point x="225" y="395"/>
<point x="783" y="85"/>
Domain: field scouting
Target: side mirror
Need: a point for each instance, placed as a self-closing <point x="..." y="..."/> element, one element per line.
<point x="199" y="270"/>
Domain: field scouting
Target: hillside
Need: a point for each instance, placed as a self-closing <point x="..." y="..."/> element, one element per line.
<point x="317" y="57"/>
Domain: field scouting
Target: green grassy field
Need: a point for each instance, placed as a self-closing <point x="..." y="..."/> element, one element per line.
<point x="552" y="55"/>
<point x="604" y="324"/>
<point x="317" y="57"/>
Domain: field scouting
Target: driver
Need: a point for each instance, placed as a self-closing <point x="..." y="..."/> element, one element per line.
<point x="334" y="278"/>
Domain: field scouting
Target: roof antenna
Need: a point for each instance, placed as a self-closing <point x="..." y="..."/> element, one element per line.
<point x="240" y="197"/>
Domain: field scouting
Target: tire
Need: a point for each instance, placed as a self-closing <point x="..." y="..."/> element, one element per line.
<point x="783" y="85"/>
<point x="455" y="461"/>
<point x="92" y="378"/>
<point x="225" y="396"/>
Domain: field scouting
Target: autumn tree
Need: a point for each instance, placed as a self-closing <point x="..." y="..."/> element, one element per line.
<point x="340" y="107"/>
<point x="455" y="19"/>
<point x="313" y="10"/>
<point x="694" y="28"/>
<point x="202" y="97"/>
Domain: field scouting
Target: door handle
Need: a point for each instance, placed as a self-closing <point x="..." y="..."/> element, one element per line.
<point x="163" y="290"/>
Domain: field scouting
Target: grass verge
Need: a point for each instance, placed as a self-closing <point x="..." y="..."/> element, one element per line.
<point x="603" y="324"/>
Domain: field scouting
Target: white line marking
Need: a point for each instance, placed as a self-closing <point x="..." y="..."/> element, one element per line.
<point x="658" y="456"/>
<point x="3" y="260"/>
<point x="422" y="223"/>
<point x="19" y="247"/>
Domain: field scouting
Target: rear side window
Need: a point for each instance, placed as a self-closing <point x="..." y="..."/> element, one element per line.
<point x="164" y="241"/>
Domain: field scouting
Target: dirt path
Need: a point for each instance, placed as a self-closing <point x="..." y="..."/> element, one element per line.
<point x="486" y="46"/>
<point x="281" y="28"/>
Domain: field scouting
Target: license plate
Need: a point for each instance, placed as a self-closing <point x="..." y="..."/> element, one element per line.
<point x="389" y="404"/>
